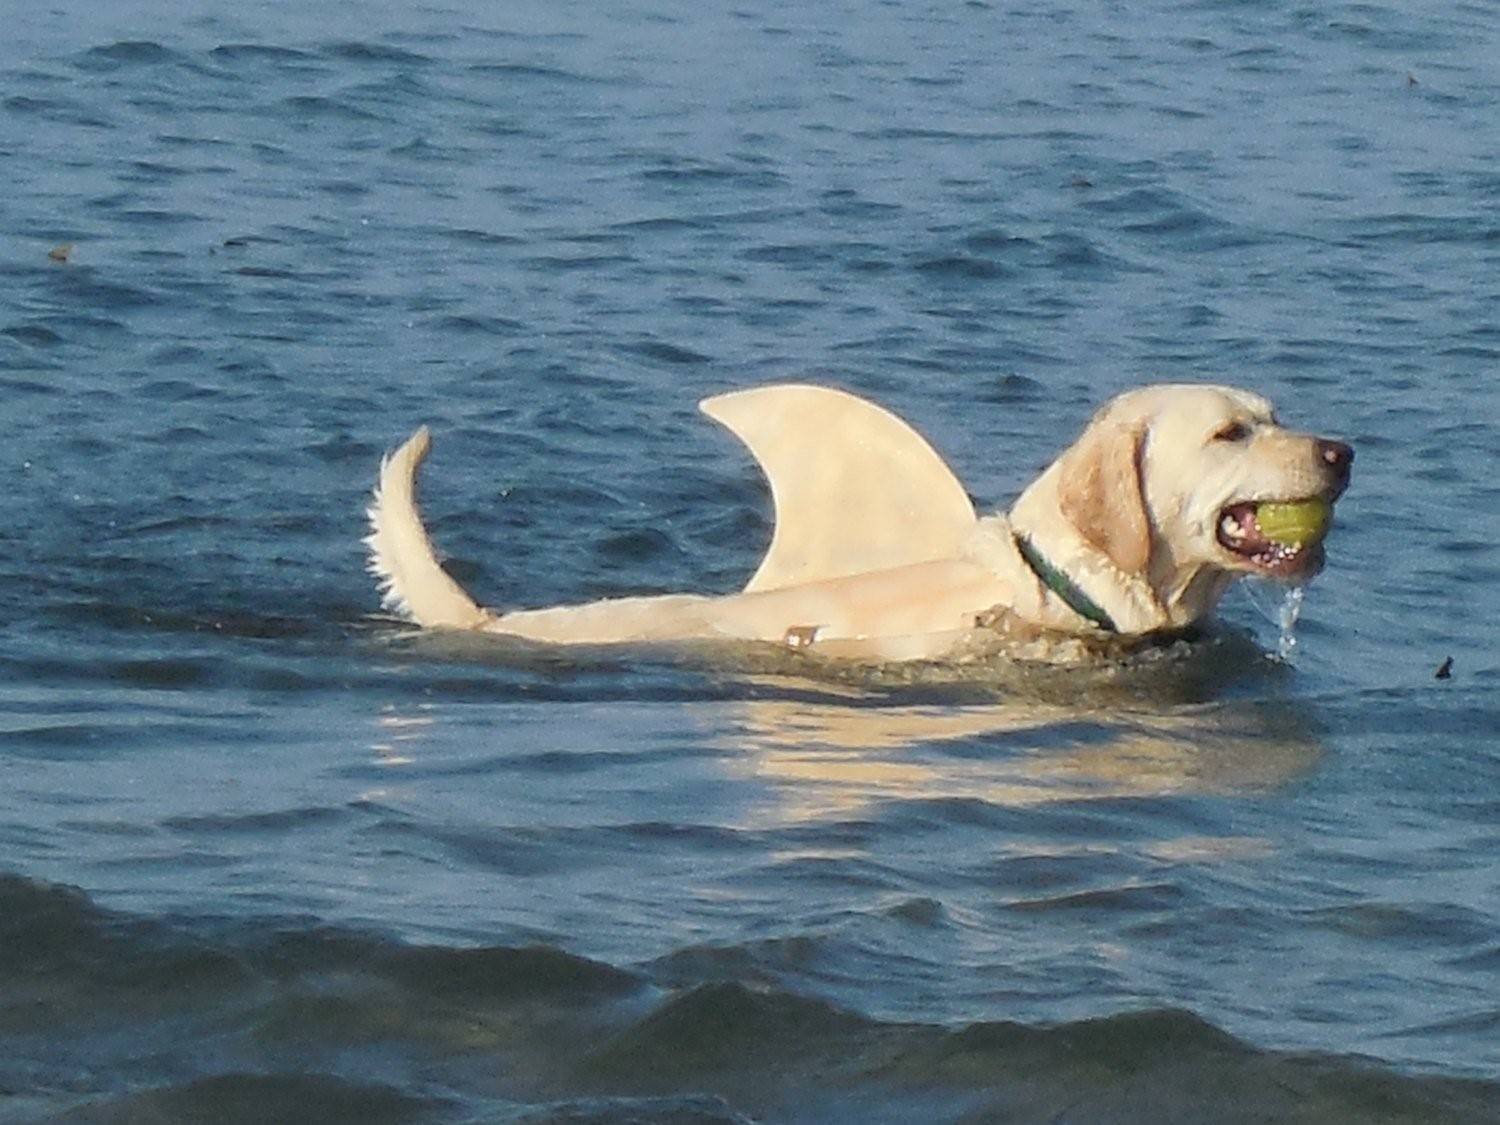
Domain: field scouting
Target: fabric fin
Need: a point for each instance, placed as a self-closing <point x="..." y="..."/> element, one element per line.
<point x="856" y="489"/>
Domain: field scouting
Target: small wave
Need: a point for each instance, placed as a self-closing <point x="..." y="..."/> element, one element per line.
<point x="60" y="110"/>
<point x="24" y="385"/>
<point x="165" y="618"/>
<point x="689" y="1109"/>
<point x="61" y="741"/>
<point x="910" y="133"/>
<point x="962" y="267"/>
<point x="127" y="52"/>
<point x="280" y="820"/>
<point x="1148" y="898"/>
<point x="671" y="224"/>
<point x="637" y="545"/>
<point x="267" y="273"/>
<point x="178" y="391"/>
<point x="564" y="263"/>
<point x="660" y="351"/>
<point x="20" y="103"/>
<point x="722" y="1026"/>
<point x="34" y="335"/>
<point x="695" y="172"/>
<point x="470" y="236"/>
<point x="1413" y="924"/>
<point x="527" y="72"/>
<point x="504" y="973"/>
<point x="846" y="204"/>
<point x="372" y="53"/>
<point x="96" y="293"/>
<point x="1013" y="388"/>
<point x="479" y="325"/>
<point x="1417" y="229"/>
<point x="235" y="52"/>
<point x="762" y="963"/>
<point x="316" y="106"/>
<point x="919" y="911"/>
<point x="1164" y="1064"/>
<point x="247" y="1098"/>
<point x="293" y="1020"/>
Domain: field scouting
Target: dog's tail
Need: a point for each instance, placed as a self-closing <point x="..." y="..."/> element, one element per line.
<point x="401" y="555"/>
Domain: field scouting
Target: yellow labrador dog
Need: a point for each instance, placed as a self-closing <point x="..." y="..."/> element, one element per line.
<point x="1171" y="493"/>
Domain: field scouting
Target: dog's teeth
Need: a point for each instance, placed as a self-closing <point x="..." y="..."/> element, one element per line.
<point x="1231" y="527"/>
<point x="1276" y="554"/>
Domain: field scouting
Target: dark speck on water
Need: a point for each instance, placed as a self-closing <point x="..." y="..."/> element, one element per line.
<point x="272" y="856"/>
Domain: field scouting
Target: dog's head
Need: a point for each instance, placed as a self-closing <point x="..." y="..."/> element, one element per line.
<point x="1181" y="477"/>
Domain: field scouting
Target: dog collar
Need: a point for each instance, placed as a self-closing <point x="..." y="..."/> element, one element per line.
<point x="1064" y="587"/>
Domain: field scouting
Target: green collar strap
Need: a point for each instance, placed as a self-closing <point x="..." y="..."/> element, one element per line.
<point x="1064" y="587"/>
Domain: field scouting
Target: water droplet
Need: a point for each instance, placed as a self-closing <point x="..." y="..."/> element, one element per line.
<point x="1286" y="618"/>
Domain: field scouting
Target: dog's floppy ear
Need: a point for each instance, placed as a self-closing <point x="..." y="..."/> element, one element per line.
<point x="1099" y="493"/>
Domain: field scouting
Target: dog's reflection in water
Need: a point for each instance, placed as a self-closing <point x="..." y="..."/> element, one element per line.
<point x="830" y="759"/>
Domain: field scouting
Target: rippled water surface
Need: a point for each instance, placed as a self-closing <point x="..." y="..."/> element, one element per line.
<point x="268" y="855"/>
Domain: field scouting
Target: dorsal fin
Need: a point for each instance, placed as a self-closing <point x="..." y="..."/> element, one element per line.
<point x="856" y="489"/>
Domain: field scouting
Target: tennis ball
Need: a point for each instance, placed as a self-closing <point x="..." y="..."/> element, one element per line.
<point x="1294" y="523"/>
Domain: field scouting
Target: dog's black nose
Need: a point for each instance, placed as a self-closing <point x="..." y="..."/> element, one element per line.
<point x="1335" y="455"/>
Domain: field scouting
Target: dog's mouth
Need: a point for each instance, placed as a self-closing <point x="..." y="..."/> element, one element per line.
<point x="1277" y="538"/>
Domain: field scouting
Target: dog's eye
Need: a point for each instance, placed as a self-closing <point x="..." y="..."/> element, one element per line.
<point x="1235" y="431"/>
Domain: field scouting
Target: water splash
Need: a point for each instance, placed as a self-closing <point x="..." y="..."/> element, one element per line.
<point x="1286" y="619"/>
<point x="1282" y="605"/>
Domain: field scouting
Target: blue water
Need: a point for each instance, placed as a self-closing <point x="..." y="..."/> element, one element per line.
<point x="266" y="854"/>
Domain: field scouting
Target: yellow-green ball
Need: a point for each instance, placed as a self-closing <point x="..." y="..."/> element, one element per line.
<point x="1294" y="523"/>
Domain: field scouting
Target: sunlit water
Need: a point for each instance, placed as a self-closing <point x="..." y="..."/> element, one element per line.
<point x="271" y="856"/>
